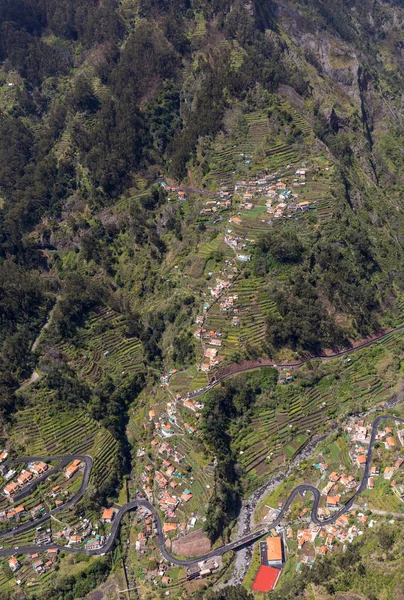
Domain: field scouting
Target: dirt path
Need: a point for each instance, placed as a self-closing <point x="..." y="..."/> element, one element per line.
<point x="34" y="377"/>
<point x="45" y="326"/>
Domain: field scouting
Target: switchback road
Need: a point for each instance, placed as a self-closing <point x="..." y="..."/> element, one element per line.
<point x="246" y="540"/>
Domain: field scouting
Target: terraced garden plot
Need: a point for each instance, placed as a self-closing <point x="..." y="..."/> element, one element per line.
<point x="280" y="155"/>
<point x="42" y="430"/>
<point x="275" y="437"/>
<point x="254" y="305"/>
<point x="206" y="250"/>
<point x="180" y="383"/>
<point x="105" y="460"/>
<point x="101" y="349"/>
<point x="199" y="381"/>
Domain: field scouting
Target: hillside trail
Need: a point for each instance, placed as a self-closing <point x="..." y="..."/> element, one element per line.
<point x="35" y="375"/>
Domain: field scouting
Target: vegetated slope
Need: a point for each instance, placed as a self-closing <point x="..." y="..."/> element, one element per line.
<point x="98" y="99"/>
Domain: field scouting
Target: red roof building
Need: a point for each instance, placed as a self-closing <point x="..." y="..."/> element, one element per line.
<point x="266" y="579"/>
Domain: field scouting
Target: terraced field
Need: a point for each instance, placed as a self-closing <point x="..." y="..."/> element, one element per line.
<point x="100" y="348"/>
<point x="275" y="435"/>
<point x="236" y="153"/>
<point x="254" y="305"/>
<point x="42" y="430"/>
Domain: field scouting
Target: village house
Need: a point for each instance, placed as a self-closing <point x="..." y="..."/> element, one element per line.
<point x="333" y="502"/>
<point x="107" y="515"/>
<point x="24" y="477"/>
<point x="168" y="527"/>
<point x="75" y="539"/>
<point x="37" y="509"/>
<point x="388" y="473"/>
<point x="14" y="564"/>
<point x="361" y="460"/>
<point x="11" y="488"/>
<point x="190" y="405"/>
<point x="3" y="455"/>
<point x="38" y="468"/>
<point x="94" y="544"/>
<point x="72" y="469"/>
<point x="186" y="495"/>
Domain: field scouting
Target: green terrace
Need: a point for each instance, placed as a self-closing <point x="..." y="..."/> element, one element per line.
<point x="274" y="435"/>
<point x="43" y="430"/>
<point x="100" y="348"/>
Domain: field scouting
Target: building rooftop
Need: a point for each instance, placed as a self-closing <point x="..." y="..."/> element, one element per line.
<point x="266" y="579"/>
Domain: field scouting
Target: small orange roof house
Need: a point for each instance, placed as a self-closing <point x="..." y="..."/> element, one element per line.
<point x="332" y="501"/>
<point x="107" y="515"/>
<point x="71" y="469"/>
<point x="361" y="460"/>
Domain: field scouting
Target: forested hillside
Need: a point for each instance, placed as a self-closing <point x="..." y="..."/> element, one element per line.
<point x="121" y="123"/>
<point x="100" y="98"/>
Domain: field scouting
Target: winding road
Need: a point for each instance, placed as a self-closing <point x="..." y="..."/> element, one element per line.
<point x="235" y="369"/>
<point x="242" y="542"/>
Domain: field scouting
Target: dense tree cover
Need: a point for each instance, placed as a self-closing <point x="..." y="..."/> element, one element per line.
<point x="70" y="587"/>
<point x="334" y="271"/>
<point x="223" y="407"/>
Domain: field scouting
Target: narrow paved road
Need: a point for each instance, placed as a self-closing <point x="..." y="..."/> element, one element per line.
<point x="293" y="365"/>
<point x="240" y="543"/>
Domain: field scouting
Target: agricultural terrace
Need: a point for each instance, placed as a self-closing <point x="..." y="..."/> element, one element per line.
<point x="281" y="425"/>
<point x="100" y="348"/>
<point x="39" y="570"/>
<point x="252" y="304"/>
<point x="41" y="429"/>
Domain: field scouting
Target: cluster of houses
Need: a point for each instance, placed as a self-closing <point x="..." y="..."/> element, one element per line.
<point x="28" y="475"/>
<point x="32" y="471"/>
<point x="360" y="434"/>
<point x="181" y="195"/>
<point x="167" y="422"/>
<point x="224" y="202"/>
<point x="40" y="564"/>
<point x="83" y="532"/>
<point x="14" y="514"/>
<point x="281" y="201"/>
<point x="338" y="484"/>
<point x="166" y="486"/>
<point x="149" y="529"/>
<point x="320" y="539"/>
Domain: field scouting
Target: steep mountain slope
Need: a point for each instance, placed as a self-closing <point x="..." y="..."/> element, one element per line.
<point x="124" y="128"/>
